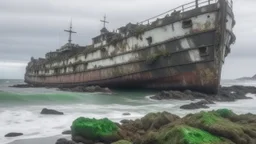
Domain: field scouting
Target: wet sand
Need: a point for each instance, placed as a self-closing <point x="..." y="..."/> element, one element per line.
<point x="46" y="140"/>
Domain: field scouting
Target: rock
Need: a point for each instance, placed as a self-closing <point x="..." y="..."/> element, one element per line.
<point x="141" y="132"/>
<point x="172" y="95"/>
<point x="81" y="139"/>
<point x="51" y="112"/>
<point x="225" y="94"/>
<point x="88" y="130"/>
<point x="124" y="121"/>
<point x="13" y="134"/>
<point x="197" y="105"/>
<point x="194" y="106"/>
<point x="122" y="142"/>
<point x="86" y="89"/>
<point x="22" y="86"/>
<point x="64" y="141"/>
<point x="183" y="134"/>
<point x="218" y="123"/>
<point x="67" y="132"/>
<point x="216" y="127"/>
<point x="125" y="114"/>
<point x="157" y="120"/>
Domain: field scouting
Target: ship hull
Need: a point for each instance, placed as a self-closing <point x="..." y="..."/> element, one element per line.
<point x="198" y="76"/>
<point x="193" y="60"/>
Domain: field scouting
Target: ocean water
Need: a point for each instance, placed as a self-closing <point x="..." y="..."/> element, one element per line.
<point x="20" y="108"/>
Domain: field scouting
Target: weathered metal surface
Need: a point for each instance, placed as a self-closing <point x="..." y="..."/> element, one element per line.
<point x="191" y="61"/>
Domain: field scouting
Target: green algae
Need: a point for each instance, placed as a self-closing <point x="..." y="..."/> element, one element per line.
<point x="197" y="136"/>
<point x="225" y="113"/>
<point x="209" y="118"/>
<point x="183" y="134"/>
<point x="93" y="128"/>
<point x="214" y="117"/>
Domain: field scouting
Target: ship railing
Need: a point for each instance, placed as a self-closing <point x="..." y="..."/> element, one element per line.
<point x="183" y="8"/>
<point x="230" y="3"/>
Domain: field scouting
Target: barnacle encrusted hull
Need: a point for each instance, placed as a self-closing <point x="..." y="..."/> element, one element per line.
<point x="183" y="50"/>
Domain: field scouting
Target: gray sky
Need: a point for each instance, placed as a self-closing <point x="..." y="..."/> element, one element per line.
<point x="34" y="27"/>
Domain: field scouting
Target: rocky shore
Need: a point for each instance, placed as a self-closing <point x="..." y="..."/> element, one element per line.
<point x="214" y="127"/>
<point x="86" y="89"/>
<point x="23" y="86"/>
<point x="70" y="89"/>
<point x="225" y="94"/>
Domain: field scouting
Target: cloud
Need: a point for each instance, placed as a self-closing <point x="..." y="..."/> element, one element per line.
<point x="32" y="28"/>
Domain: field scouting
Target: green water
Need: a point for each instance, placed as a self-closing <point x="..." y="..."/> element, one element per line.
<point x="35" y="96"/>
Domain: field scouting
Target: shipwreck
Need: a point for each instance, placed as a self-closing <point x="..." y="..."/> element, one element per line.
<point x="183" y="48"/>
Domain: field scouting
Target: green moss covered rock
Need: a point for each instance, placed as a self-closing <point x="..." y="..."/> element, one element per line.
<point x="226" y="113"/>
<point x="183" y="134"/>
<point x="218" y="123"/>
<point x="94" y="129"/>
<point x="214" y="127"/>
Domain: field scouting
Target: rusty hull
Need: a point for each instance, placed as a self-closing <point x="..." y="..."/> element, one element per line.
<point x="175" y="71"/>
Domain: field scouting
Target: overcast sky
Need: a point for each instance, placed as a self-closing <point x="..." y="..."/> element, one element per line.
<point x="34" y="27"/>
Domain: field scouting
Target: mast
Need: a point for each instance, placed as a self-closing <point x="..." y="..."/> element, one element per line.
<point x="70" y="33"/>
<point x="104" y="21"/>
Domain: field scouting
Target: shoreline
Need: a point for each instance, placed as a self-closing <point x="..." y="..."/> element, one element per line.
<point x="42" y="140"/>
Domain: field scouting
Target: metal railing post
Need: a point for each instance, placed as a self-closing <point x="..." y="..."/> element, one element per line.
<point x="182" y="8"/>
<point x="196" y="3"/>
<point x="209" y="2"/>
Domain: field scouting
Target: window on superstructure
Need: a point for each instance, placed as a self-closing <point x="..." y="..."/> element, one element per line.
<point x="149" y="39"/>
<point x="203" y="51"/>
<point x="187" y="23"/>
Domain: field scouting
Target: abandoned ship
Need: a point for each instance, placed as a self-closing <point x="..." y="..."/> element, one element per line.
<point x="183" y="48"/>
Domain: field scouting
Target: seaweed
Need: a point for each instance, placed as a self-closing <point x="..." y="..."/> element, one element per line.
<point x="93" y="128"/>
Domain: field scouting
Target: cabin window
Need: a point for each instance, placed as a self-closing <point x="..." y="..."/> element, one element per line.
<point x="56" y="71"/>
<point x="149" y="39"/>
<point x="203" y="51"/>
<point x="187" y="23"/>
<point x="74" y="68"/>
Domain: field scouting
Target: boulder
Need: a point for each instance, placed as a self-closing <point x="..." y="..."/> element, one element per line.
<point x="64" y="141"/>
<point x="86" y="89"/>
<point x="67" y="132"/>
<point x="13" y="134"/>
<point x="46" y="111"/>
<point x="197" y="105"/>
<point x="172" y="95"/>
<point x="126" y="114"/>
<point x="215" y="127"/>
<point x="93" y="130"/>
<point x="157" y="120"/>
<point x="22" y="86"/>
<point x="183" y="134"/>
<point x="218" y="123"/>
<point x="224" y="94"/>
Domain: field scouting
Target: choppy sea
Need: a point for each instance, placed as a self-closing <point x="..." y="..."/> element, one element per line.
<point x="20" y="107"/>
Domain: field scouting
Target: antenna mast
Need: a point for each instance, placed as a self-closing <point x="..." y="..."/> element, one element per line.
<point x="70" y="32"/>
<point x="104" y="21"/>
